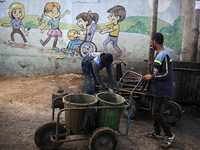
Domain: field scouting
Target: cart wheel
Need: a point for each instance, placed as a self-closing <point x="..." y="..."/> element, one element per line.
<point x="103" y="138"/>
<point x="171" y="111"/>
<point x="42" y="135"/>
<point x="134" y="109"/>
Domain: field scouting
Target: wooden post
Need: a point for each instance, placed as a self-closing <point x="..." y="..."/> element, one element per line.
<point x="153" y="31"/>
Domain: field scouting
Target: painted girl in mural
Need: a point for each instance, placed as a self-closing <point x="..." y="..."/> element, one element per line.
<point x="117" y="15"/>
<point x="17" y="13"/>
<point x="52" y="10"/>
<point x="83" y="21"/>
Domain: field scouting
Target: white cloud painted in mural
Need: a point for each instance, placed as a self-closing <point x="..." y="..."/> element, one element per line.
<point x="163" y="5"/>
<point x="5" y="14"/>
<point x="86" y="1"/>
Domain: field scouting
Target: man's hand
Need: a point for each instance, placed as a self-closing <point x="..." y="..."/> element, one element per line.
<point x="110" y="90"/>
<point x="146" y="78"/>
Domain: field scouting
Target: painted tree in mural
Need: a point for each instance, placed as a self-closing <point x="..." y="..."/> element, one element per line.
<point x="17" y="13"/>
<point x="139" y="27"/>
<point x="117" y="15"/>
<point x="173" y="35"/>
<point x="52" y="10"/>
<point x="30" y="25"/>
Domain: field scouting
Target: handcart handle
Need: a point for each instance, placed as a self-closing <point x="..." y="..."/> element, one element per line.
<point x="124" y="90"/>
<point x="134" y="74"/>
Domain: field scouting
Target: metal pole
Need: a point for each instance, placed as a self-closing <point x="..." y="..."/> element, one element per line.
<point x="153" y="31"/>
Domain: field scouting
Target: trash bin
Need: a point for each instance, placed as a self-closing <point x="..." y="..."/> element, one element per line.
<point x="109" y="117"/>
<point x="74" y="118"/>
<point x="57" y="99"/>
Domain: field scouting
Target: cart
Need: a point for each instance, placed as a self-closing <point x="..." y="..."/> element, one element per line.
<point x="53" y="134"/>
<point x="127" y="86"/>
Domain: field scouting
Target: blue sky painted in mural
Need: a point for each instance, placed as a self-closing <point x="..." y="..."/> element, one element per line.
<point x="133" y="8"/>
<point x="85" y="1"/>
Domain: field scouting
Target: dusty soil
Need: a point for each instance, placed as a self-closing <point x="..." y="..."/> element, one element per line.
<point x="25" y="104"/>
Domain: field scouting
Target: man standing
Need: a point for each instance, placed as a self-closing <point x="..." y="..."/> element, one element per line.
<point x="160" y="86"/>
<point x="91" y="64"/>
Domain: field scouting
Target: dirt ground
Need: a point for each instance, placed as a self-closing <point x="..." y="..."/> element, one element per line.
<point x="25" y="104"/>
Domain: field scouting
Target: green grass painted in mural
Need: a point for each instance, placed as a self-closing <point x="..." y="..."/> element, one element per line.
<point x="135" y="24"/>
<point x="142" y="25"/>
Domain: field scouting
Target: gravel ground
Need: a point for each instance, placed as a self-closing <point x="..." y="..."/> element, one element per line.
<point x="26" y="104"/>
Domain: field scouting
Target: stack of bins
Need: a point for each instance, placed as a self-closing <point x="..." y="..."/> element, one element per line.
<point x="74" y="118"/>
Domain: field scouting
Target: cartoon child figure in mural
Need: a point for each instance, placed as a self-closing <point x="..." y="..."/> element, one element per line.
<point x="17" y="13"/>
<point x="117" y="15"/>
<point x="78" y="37"/>
<point x="52" y="10"/>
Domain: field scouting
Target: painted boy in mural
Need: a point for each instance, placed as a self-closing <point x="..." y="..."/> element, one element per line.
<point x="52" y="10"/>
<point x="17" y="13"/>
<point x="78" y="37"/>
<point x="117" y="15"/>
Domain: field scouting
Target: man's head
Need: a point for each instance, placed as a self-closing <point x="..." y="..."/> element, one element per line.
<point x="107" y="59"/>
<point x="157" y="40"/>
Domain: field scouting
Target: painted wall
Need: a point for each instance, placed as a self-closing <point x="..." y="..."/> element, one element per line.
<point x="32" y="58"/>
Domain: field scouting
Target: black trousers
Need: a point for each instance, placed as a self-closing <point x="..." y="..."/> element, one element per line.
<point x="158" y="118"/>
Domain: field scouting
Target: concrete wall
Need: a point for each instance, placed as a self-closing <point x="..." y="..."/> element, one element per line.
<point x="187" y="48"/>
<point x="133" y="38"/>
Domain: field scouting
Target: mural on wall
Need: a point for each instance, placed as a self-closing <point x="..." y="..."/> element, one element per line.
<point x="117" y="15"/>
<point x="17" y="13"/>
<point x="131" y="26"/>
<point x="81" y="41"/>
<point x="1" y="1"/>
<point x="52" y="10"/>
<point x="142" y="25"/>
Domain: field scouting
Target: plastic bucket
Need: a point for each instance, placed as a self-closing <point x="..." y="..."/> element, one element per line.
<point x="74" y="118"/>
<point x="109" y="117"/>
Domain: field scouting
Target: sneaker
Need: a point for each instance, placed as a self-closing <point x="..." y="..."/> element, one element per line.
<point x="119" y="54"/>
<point x="27" y="43"/>
<point x="68" y="51"/>
<point x="10" y="41"/>
<point x="65" y="51"/>
<point x="154" y="135"/>
<point x="167" y="141"/>
<point x="42" y="42"/>
<point x="55" y="48"/>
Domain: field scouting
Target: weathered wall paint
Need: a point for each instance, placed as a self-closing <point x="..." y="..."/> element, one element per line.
<point x="133" y="39"/>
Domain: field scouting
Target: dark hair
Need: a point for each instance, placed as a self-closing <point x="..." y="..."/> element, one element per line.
<point x="118" y="11"/>
<point x="108" y="58"/>
<point x="88" y="17"/>
<point x="158" y="37"/>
